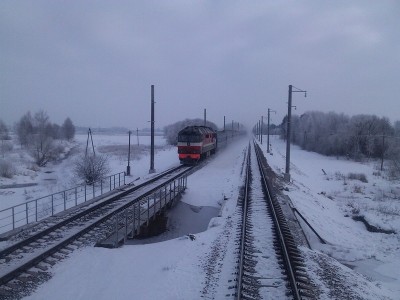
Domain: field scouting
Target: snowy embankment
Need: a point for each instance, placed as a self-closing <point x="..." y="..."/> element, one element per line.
<point x="184" y="269"/>
<point x="326" y="191"/>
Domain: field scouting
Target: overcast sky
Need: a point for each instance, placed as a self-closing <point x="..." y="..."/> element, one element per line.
<point x="94" y="61"/>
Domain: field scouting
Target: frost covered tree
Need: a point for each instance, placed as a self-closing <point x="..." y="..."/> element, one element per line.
<point x="5" y="145"/>
<point x="24" y="128"/>
<point x="337" y="134"/>
<point x="68" y="129"/>
<point x="91" y="168"/>
<point x="4" y="135"/>
<point x="37" y="134"/>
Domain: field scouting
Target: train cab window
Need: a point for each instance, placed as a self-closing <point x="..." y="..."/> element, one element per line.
<point x="189" y="138"/>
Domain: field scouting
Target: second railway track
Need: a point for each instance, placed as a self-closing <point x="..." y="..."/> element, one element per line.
<point x="23" y="259"/>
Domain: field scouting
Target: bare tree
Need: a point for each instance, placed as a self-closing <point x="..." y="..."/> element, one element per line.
<point x="38" y="135"/>
<point x="4" y="135"/>
<point x="24" y="128"/>
<point x="91" y="168"/>
<point x="43" y="149"/>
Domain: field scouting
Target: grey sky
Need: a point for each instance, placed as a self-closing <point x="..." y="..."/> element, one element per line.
<point x="94" y="61"/>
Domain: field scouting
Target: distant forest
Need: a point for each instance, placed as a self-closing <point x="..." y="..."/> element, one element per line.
<point x="358" y="137"/>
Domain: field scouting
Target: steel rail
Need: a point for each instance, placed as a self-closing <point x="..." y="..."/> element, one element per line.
<point x="281" y="237"/>
<point x="243" y="232"/>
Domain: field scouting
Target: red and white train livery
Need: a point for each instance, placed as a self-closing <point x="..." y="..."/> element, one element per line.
<point x="196" y="142"/>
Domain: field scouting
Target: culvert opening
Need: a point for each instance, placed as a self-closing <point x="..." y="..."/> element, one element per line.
<point x="180" y="220"/>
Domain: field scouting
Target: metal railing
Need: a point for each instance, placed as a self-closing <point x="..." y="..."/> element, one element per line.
<point x="38" y="209"/>
<point x="128" y="222"/>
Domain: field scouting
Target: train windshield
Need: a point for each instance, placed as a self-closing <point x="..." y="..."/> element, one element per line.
<point x="193" y="138"/>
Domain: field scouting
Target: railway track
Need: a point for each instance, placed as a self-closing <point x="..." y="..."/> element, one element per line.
<point x="270" y="265"/>
<point x="29" y="254"/>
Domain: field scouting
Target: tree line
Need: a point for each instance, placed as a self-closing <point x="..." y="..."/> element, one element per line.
<point x="357" y="137"/>
<point x="38" y="135"/>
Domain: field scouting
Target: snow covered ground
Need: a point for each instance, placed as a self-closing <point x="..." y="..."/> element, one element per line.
<point x="179" y="268"/>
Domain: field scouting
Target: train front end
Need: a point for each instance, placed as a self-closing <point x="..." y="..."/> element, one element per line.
<point x="194" y="143"/>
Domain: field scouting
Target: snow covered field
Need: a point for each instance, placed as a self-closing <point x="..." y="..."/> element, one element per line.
<point x="177" y="268"/>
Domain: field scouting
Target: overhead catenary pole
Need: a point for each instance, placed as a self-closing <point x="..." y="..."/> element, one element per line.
<point x="128" y="168"/>
<point x="205" y="117"/>
<point x="383" y="150"/>
<point x="268" y="132"/>
<point x="224" y="123"/>
<point x="288" y="130"/>
<point x="261" y="131"/>
<point x="269" y="112"/>
<point x="152" y="170"/>
<point x="137" y="136"/>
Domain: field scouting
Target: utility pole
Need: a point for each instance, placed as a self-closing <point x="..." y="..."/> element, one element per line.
<point x="128" y="168"/>
<point x="269" y="111"/>
<point x="137" y="136"/>
<point x="232" y="128"/>
<point x="262" y="124"/>
<point x="152" y="170"/>
<point x="205" y="117"/>
<point x="288" y="130"/>
<point x="87" y="143"/>
<point x="383" y="150"/>
<point x="224" y="123"/>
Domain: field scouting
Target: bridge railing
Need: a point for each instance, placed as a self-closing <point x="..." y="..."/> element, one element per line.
<point x="38" y="209"/>
<point x="130" y="221"/>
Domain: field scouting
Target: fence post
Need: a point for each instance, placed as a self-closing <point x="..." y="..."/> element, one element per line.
<point x="165" y="195"/>
<point x="160" y="199"/>
<point x="139" y="215"/>
<point x="126" y="225"/>
<point x="170" y="192"/>
<point x="65" y="201"/>
<point x="148" y="211"/>
<point x="133" y="220"/>
<point x="155" y="201"/>
<point x="13" y="218"/>
<point x="26" y="213"/>
<point x="116" y="229"/>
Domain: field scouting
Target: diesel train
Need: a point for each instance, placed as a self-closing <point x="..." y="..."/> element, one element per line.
<point x="195" y="143"/>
